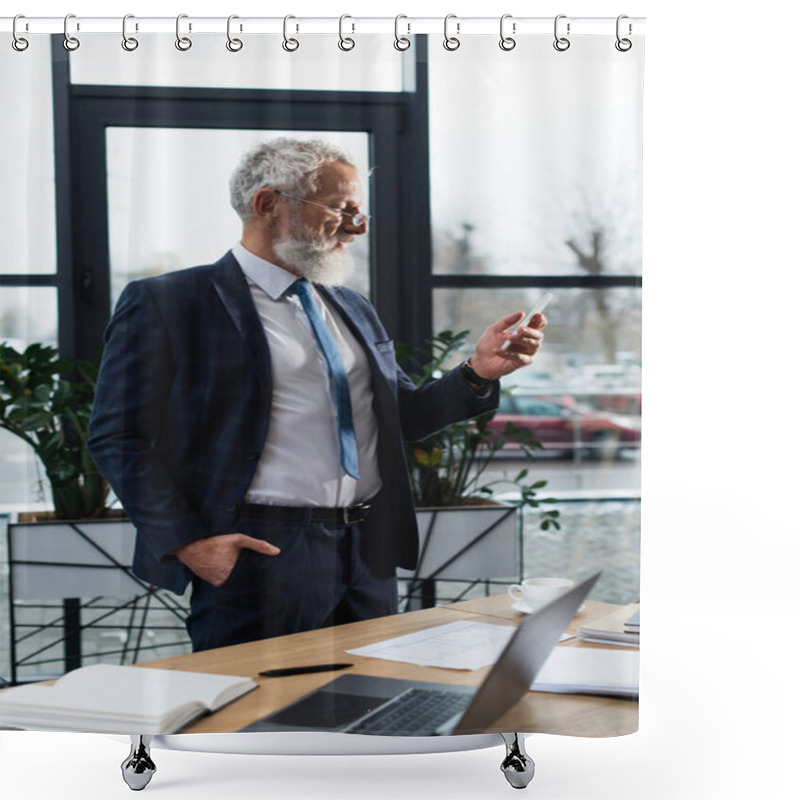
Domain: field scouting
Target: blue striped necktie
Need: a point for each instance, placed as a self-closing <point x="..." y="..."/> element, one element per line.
<point x="348" y="455"/>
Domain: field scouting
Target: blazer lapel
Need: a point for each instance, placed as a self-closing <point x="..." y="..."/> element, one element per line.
<point x="355" y="321"/>
<point x="362" y="328"/>
<point x="233" y="291"/>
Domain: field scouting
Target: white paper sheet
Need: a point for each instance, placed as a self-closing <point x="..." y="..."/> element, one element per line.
<point x="456" y="645"/>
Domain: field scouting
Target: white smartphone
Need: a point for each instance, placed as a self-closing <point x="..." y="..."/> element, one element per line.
<point x="544" y="301"/>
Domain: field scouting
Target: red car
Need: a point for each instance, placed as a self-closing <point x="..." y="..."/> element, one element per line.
<point x="559" y="424"/>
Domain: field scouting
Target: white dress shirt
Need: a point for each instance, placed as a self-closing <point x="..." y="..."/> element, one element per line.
<point x="300" y="464"/>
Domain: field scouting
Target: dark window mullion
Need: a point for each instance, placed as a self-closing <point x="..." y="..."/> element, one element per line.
<point x="49" y="279"/>
<point x="217" y="95"/>
<point x="535" y="281"/>
<point x="64" y="175"/>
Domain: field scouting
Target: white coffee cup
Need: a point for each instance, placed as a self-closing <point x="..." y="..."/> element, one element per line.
<point x="536" y="592"/>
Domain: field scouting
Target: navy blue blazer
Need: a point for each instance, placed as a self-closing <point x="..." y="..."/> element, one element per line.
<point x="182" y="411"/>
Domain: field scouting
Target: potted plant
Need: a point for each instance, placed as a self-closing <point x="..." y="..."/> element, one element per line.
<point x="454" y="494"/>
<point x="79" y="553"/>
<point x="50" y="412"/>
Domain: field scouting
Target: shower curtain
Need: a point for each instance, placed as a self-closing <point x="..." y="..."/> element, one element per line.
<point x="493" y="170"/>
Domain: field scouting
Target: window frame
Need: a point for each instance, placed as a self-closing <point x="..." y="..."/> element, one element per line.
<point x="397" y="123"/>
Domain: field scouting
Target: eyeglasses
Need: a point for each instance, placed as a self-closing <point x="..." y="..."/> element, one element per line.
<point x="358" y="219"/>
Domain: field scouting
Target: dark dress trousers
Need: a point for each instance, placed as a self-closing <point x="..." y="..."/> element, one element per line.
<point x="182" y="411"/>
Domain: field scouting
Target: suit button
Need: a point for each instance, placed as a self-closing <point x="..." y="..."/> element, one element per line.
<point x="231" y="507"/>
<point x="253" y="456"/>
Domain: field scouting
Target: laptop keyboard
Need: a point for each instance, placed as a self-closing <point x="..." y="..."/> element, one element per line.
<point x="415" y="711"/>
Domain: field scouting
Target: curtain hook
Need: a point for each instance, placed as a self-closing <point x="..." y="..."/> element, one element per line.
<point x="345" y="42"/>
<point x="183" y="43"/>
<point x="18" y="42"/>
<point x="234" y="45"/>
<point x="507" y="42"/>
<point x="561" y="43"/>
<point x="401" y="42"/>
<point x="70" y="42"/>
<point x="289" y="45"/>
<point x="623" y="45"/>
<point x="451" y="42"/>
<point x="129" y="43"/>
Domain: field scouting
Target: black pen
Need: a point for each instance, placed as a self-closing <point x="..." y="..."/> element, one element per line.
<point x="281" y="673"/>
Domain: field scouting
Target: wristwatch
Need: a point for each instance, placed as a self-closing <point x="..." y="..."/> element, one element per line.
<point x="473" y="378"/>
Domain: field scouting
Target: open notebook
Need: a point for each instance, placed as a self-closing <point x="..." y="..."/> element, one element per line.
<point x="105" y="698"/>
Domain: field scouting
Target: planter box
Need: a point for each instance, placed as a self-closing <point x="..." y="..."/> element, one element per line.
<point x="53" y="559"/>
<point x="469" y="543"/>
<point x="73" y="599"/>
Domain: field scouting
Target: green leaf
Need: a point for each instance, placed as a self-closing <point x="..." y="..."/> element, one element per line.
<point x="43" y="392"/>
<point x="447" y="467"/>
<point x="63" y="472"/>
<point x="31" y="420"/>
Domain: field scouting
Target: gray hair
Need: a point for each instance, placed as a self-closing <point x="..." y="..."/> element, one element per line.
<point x="290" y="165"/>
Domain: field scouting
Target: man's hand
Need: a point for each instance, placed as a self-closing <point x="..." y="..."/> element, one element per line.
<point x="214" y="557"/>
<point x="490" y="362"/>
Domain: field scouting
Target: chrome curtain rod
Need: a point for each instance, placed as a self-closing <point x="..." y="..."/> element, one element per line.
<point x="404" y="25"/>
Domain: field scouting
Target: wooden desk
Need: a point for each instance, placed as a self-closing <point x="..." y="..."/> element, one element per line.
<point x="537" y="712"/>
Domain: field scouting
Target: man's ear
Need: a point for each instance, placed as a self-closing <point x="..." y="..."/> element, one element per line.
<point x="264" y="203"/>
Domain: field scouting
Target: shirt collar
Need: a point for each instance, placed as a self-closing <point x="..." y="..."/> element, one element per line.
<point x="269" y="277"/>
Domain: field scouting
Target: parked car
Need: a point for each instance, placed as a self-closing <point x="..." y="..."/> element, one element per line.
<point x="621" y="402"/>
<point x="560" y="424"/>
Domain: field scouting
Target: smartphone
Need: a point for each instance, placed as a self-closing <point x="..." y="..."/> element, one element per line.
<point x="537" y="309"/>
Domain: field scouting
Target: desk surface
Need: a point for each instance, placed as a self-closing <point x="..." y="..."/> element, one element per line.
<point x="537" y="712"/>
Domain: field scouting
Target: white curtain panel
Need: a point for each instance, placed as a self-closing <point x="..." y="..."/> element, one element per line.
<point x="491" y="176"/>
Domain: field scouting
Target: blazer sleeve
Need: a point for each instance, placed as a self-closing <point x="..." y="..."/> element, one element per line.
<point x="136" y="376"/>
<point x="427" y="409"/>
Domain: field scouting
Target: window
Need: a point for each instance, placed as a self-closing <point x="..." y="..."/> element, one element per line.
<point x="521" y="204"/>
<point x="147" y="238"/>
<point x="27" y="218"/>
<point x="28" y="293"/>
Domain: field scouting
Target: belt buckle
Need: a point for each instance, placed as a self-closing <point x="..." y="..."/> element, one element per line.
<point x="356" y="513"/>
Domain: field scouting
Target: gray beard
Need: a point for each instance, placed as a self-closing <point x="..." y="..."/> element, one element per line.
<point x="315" y="261"/>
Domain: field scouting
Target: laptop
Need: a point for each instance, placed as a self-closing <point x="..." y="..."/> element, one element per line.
<point x="388" y="707"/>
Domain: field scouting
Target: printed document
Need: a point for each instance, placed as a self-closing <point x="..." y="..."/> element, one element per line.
<point x="456" y="645"/>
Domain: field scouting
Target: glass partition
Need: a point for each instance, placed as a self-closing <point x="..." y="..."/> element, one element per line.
<point x="27" y="215"/>
<point x="517" y="187"/>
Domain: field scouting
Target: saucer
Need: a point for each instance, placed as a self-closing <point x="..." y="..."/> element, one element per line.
<point x="521" y="607"/>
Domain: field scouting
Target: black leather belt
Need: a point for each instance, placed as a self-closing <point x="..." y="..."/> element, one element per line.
<point x="348" y="515"/>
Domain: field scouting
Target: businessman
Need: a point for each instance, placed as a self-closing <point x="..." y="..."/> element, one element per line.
<point x="250" y="414"/>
